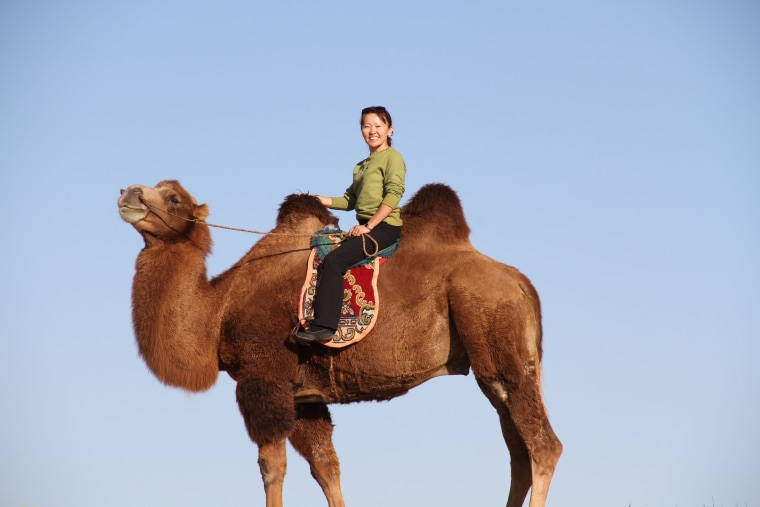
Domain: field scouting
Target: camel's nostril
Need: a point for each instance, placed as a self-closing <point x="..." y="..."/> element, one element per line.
<point x="121" y="191"/>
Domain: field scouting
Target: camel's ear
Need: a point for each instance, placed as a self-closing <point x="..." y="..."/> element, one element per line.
<point x="201" y="212"/>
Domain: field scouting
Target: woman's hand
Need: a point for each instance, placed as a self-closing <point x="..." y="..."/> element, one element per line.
<point x="325" y="201"/>
<point x="358" y="230"/>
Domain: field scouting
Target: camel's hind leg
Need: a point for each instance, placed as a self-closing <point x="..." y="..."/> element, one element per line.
<point x="533" y="447"/>
<point x="496" y="313"/>
<point x="518" y="452"/>
<point x="312" y="438"/>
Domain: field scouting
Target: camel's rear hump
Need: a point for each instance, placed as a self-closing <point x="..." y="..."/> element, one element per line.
<point x="438" y="205"/>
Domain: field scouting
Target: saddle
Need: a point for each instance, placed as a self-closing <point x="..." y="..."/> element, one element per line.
<point x="361" y="301"/>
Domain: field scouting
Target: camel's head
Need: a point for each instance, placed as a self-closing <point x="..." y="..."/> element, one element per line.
<point x="164" y="211"/>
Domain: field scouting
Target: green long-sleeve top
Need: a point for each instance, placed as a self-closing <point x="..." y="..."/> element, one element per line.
<point x="378" y="179"/>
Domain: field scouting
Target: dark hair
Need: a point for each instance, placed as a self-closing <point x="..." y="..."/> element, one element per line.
<point x="382" y="113"/>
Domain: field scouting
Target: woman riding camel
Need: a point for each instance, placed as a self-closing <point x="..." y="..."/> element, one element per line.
<point x="377" y="188"/>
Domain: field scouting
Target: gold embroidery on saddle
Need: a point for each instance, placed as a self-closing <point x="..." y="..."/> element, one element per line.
<point x="360" y="301"/>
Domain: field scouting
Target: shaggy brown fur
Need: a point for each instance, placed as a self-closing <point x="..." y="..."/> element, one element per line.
<point x="446" y="309"/>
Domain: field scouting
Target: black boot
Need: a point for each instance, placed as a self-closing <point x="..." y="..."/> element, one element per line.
<point x="314" y="334"/>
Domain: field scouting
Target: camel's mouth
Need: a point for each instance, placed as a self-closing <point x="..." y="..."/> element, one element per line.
<point x="132" y="215"/>
<point x="131" y="207"/>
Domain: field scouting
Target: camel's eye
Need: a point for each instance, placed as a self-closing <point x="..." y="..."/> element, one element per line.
<point x="174" y="201"/>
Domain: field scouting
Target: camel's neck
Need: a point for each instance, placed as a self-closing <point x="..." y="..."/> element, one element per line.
<point x="176" y="315"/>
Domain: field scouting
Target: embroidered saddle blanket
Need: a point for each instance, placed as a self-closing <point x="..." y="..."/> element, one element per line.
<point x="361" y="300"/>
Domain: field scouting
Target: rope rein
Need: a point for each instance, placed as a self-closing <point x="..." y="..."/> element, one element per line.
<point x="342" y="235"/>
<point x="364" y="245"/>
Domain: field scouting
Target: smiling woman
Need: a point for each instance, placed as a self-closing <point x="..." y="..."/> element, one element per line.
<point x="375" y="193"/>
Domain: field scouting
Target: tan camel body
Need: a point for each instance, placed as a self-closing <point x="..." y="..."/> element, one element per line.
<point x="445" y="309"/>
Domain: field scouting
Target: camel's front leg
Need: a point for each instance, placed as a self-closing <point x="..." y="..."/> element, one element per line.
<point x="268" y="410"/>
<point x="312" y="438"/>
<point x="273" y="462"/>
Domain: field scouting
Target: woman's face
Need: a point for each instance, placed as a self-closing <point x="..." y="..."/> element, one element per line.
<point x="375" y="132"/>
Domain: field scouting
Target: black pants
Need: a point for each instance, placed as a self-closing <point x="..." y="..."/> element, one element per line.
<point x="329" y="297"/>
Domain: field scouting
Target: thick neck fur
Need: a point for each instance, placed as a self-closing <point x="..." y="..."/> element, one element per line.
<point x="176" y="314"/>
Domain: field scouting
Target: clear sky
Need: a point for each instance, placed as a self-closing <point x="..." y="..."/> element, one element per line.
<point x="609" y="150"/>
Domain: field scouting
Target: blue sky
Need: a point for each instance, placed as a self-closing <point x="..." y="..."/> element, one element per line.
<point x="609" y="150"/>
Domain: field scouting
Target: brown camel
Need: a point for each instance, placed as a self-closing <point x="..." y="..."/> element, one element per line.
<point x="446" y="309"/>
